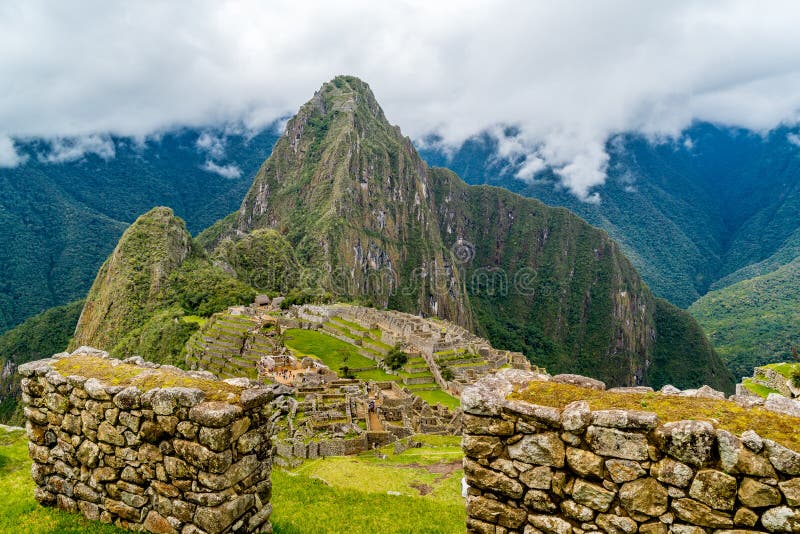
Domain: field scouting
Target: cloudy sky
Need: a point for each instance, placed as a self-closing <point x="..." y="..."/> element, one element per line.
<point x="569" y="74"/>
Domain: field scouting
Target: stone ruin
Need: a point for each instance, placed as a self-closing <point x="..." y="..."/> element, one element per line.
<point x="244" y="341"/>
<point x="440" y="344"/>
<point x="335" y="419"/>
<point x="165" y="460"/>
<point x="771" y="379"/>
<point x="572" y="470"/>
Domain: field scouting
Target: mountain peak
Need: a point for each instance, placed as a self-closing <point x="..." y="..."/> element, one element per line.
<point x="147" y="253"/>
<point x="348" y="94"/>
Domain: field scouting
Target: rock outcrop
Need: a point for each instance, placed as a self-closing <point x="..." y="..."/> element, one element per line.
<point x="193" y="458"/>
<point x="570" y="469"/>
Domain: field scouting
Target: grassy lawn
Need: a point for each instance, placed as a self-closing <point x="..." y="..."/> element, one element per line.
<point x="340" y="494"/>
<point x="759" y="389"/>
<point x="378" y="375"/>
<point x="344" y="494"/>
<point x="333" y="352"/>
<point x="20" y="512"/>
<point x="433" y="397"/>
<point x="785" y="369"/>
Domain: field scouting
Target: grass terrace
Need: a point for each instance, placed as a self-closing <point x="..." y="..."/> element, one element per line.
<point x="333" y="352"/>
<point x="722" y="413"/>
<point x="785" y="369"/>
<point x="349" y="324"/>
<point x="437" y="396"/>
<point x="759" y="389"/>
<point x="418" y="490"/>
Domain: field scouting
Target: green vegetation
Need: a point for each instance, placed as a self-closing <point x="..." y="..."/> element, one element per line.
<point x="263" y="259"/>
<point x="446" y="372"/>
<point x="39" y="337"/>
<point x="161" y="339"/>
<point x="564" y="314"/>
<point x="437" y="396"/>
<point x="152" y="280"/>
<point x="199" y="288"/>
<point x="684" y="228"/>
<point x="395" y="358"/>
<point x="351" y="493"/>
<point x="675" y="360"/>
<point x="722" y="413"/>
<point x="298" y="297"/>
<point x="60" y="220"/>
<point x="756" y="321"/>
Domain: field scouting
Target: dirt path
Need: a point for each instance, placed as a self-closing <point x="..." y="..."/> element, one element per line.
<point x="375" y="423"/>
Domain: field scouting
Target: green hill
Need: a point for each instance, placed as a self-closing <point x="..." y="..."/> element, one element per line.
<point x="62" y="215"/>
<point x="154" y="277"/>
<point x="756" y="321"/>
<point x="715" y="207"/>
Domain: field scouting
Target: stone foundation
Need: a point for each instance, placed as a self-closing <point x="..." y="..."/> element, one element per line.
<point x="165" y="460"/>
<point x="539" y="469"/>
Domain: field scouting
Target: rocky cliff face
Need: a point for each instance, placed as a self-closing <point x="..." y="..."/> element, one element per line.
<point x="370" y="221"/>
<point x="354" y="199"/>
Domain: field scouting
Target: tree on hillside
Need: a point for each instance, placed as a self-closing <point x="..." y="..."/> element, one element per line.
<point x="395" y="358"/>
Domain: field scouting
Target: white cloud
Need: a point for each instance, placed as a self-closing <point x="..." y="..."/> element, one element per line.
<point x="793" y="138"/>
<point x="9" y="157"/>
<point x="226" y="171"/>
<point x="211" y="144"/>
<point x="65" y="149"/>
<point x="530" y="167"/>
<point x="567" y="74"/>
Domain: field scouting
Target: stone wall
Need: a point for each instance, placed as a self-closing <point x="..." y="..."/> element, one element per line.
<point x="164" y="460"/>
<point x="539" y="469"/>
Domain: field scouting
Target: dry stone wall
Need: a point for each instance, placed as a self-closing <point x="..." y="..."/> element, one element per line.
<point x="164" y="460"/>
<point x="533" y="469"/>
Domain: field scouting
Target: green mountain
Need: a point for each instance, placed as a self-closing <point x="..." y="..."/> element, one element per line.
<point x="368" y="220"/>
<point x="755" y="321"/>
<point x="38" y="337"/>
<point x="716" y="207"/>
<point x="140" y="299"/>
<point x="62" y="211"/>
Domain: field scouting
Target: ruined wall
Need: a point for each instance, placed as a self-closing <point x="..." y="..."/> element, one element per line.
<point x="539" y="469"/>
<point x="163" y="460"/>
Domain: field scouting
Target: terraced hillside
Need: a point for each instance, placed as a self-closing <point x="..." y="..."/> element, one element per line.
<point x="230" y="345"/>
